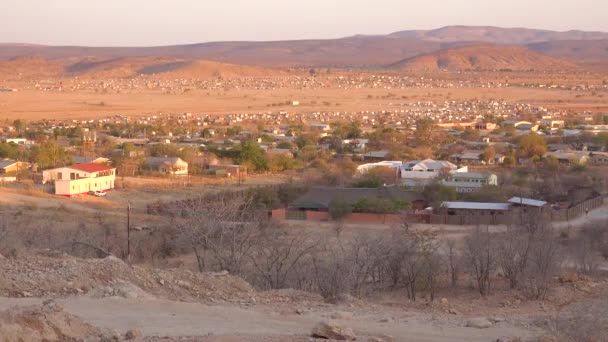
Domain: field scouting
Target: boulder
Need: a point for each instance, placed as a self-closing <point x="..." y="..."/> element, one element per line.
<point x="133" y="334"/>
<point x="479" y="323"/>
<point x="334" y="331"/>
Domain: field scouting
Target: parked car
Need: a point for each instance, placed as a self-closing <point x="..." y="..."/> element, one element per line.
<point x="97" y="193"/>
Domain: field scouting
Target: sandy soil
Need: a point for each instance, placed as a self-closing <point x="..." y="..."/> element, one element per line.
<point x="32" y="105"/>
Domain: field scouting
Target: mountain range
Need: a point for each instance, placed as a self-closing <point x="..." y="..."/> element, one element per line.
<point x="447" y="48"/>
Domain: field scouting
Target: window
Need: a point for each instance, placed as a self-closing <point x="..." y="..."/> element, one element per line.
<point x="59" y="175"/>
<point x="72" y="175"/>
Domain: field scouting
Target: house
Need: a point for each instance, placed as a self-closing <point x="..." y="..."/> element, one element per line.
<point x="362" y="169"/>
<point x="235" y="171"/>
<point x="8" y="166"/>
<point x="474" y="208"/>
<point x="16" y="141"/>
<point x="485" y="126"/>
<point x="569" y="157"/>
<point x="319" y="199"/>
<point x="376" y="155"/>
<point x="418" y="172"/>
<point x="470" y="181"/>
<point x="599" y="158"/>
<point x="358" y="145"/>
<point x="475" y="158"/>
<point x="168" y="165"/>
<point x="80" y="178"/>
<point x="552" y="123"/>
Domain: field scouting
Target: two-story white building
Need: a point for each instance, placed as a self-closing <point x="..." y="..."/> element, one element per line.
<point x="80" y="178"/>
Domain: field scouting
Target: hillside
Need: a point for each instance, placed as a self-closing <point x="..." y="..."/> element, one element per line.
<point x="483" y="58"/>
<point x="585" y="50"/>
<point x="97" y="68"/>
<point x="28" y="67"/>
<point x="332" y="52"/>
<point x="497" y="35"/>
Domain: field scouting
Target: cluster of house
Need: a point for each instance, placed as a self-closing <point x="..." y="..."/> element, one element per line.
<point x="418" y="173"/>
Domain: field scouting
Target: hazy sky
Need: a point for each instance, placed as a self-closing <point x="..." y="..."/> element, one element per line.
<point x="163" y="22"/>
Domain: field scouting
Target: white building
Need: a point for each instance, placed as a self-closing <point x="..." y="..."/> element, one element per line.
<point x="80" y="178"/>
<point x="429" y="169"/>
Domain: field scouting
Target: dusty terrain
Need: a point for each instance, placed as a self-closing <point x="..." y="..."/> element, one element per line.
<point x="109" y="294"/>
<point x="84" y="105"/>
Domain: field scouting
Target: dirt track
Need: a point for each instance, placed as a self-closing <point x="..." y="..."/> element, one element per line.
<point x="168" y="318"/>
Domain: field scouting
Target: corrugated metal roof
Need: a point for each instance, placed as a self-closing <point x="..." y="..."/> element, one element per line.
<point x="527" y="201"/>
<point x="476" y="205"/>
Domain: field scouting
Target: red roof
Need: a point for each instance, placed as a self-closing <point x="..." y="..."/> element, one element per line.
<point x="91" y="167"/>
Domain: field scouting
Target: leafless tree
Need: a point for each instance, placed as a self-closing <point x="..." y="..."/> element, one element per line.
<point x="480" y="257"/>
<point x="367" y="255"/>
<point x="222" y="230"/>
<point x="453" y="259"/>
<point x="543" y="264"/>
<point x="512" y="250"/>
<point x="332" y="271"/>
<point x="279" y="254"/>
<point x="586" y="256"/>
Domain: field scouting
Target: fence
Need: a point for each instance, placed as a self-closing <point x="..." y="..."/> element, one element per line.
<point x="514" y="216"/>
<point x="323" y="216"/>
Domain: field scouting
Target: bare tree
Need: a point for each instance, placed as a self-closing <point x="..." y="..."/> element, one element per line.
<point x="367" y="255"/>
<point x="480" y="258"/>
<point x="332" y="271"/>
<point x="222" y="230"/>
<point x="453" y="260"/>
<point x="512" y="250"/>
<point x="543" y="264"/>
<point x="279" y="254"/>
<point x="586" y="257"/>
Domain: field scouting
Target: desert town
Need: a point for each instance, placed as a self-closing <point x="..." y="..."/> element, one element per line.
<point x="430" y="185"/>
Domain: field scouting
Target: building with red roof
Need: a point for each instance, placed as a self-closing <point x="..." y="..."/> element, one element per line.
<point x="80" y="178"/>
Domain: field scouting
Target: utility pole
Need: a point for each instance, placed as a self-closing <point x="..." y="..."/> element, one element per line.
<point x="129" y="233"/>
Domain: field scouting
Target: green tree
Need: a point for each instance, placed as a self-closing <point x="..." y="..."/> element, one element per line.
<point x="20" y="126"/>
<point x="532" y="145"/>
<point x="251" y="153"/>
<point x="425" y="132"/>
<point x="489" y="153"/>
<point x="50" y="155"/>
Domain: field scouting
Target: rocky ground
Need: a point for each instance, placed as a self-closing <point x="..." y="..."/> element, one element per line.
<point x="54" y="297"/>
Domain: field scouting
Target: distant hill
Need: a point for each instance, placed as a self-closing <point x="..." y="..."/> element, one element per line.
<point x="332" y="52"/>
<point x="29" y="67"/>
<point x="589" y="48"/>
<point x="497" y="35"/>
<point x="582" y="50"/>
<point x="127" y="67"/>
<point x="483" y="58"/>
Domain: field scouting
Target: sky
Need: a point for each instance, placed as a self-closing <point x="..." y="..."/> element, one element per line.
<point x="168" y="22"/>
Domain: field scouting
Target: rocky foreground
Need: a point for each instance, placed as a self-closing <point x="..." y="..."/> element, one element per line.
<point x="51" y="296"/>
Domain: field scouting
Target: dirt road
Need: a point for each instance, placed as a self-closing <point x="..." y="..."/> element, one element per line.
<point x="169" y="318"/>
